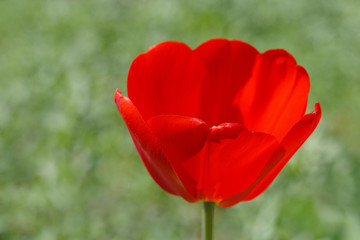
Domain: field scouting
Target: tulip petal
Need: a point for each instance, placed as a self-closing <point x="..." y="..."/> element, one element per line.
<point x="149" y="149"/>
<point x="230" y="64"/>
<point x="212" y="167"/>
<point x="183" y="140"/>
<point x="167" y="80"/>
<point x="234" y="162"/>
<point x="275" y="97"/>
<point x="199" y="83"/>
<point x="289" y="145"/>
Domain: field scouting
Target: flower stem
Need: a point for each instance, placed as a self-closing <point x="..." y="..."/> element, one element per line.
<point x="208" y="220"/>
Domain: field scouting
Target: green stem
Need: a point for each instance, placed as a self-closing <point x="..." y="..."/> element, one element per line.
<point x="208" y="220"/>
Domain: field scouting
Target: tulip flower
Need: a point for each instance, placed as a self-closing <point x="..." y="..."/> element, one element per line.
<point x="219" y="122"/>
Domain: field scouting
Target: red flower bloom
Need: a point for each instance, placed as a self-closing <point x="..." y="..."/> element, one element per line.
<point x="217" y="123"/>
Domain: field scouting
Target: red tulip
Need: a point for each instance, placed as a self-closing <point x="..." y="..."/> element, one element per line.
<point x="217" y="123"/>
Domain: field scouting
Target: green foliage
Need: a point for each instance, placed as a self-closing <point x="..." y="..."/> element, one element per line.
<point x="68" y="168"/>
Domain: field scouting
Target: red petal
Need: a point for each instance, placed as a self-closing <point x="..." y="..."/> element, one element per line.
<point x="182" y="139"/>
<point x="149" y="149"/>
<point x="229" y="162"/>
<point x="229" y="64"/>
<point x="200" y="83"/>
<point x="234" y="163"/>
<point x="167" y="80"/>
<point x="290" y="144"/>
<point x="275" y="97"/>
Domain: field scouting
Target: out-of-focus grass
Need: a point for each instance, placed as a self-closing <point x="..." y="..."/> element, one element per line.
<point x="68" y="168"/>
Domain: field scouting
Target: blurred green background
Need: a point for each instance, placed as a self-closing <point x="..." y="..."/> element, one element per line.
<point x="68" y="168"/>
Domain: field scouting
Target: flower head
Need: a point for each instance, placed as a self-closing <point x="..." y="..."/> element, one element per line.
<point x="217" y="123"/>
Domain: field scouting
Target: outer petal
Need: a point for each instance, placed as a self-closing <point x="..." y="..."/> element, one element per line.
<point x="289" y="145"/>
<point x="275" y="97"/>
<point x="149" y="149"/>
<point x="183" y="140"/>
<point x="166" y="80"/>
<point x="235" y="161"/>
<point x="213" y="167"/>
<point x="230" y="64"/>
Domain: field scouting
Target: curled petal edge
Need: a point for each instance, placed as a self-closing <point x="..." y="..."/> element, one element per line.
<point x="149" y="149"/>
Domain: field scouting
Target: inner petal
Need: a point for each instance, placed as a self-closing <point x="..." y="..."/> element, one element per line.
<point x="172" y="79"/>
